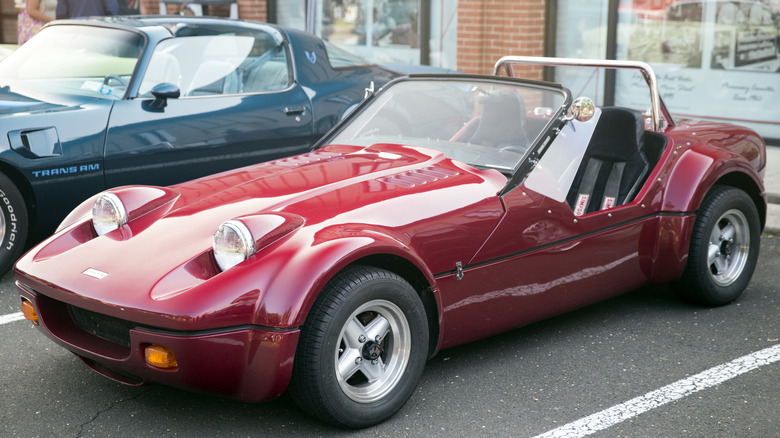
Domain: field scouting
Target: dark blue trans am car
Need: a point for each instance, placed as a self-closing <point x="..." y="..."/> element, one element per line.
<point x="97" y="103"/>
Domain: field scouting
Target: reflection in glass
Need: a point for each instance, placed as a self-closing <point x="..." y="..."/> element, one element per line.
<point x="218" y="64"/>
<point x="714" y="59"/>
<point x="82" y="61"/>
<point x="480" y="123"/>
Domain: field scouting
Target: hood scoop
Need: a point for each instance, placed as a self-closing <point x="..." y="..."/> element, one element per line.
<point x="418" y="177"/>
<point x="311" y="157"/>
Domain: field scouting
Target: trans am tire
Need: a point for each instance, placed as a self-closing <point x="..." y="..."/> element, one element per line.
<point x="724" y="248"/>
<point x="361" y="350"/>
<point x="13" y="224"/>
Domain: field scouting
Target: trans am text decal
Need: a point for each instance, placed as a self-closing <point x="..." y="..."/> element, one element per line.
<point x="56" y="171"/>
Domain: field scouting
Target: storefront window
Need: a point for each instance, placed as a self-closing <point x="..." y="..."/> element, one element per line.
<point x="444" y="34"/>
<point x="715" y="59"/>
<point x="382" y="31"/>
<point x="385" y="29"/>
<point x="582" y="33"/>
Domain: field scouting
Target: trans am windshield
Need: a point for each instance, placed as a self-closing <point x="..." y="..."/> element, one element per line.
<point x="483" y="123"/>
<point x="75" y="60"/>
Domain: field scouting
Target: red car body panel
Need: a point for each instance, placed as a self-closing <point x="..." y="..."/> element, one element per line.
<point x="198" y="297"/>
<point x="316" y="213"/>
<point x="707" y="151"/>
<point x="247" y="364"/>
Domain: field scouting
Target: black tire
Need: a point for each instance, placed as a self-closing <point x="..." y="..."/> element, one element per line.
<point x="724" y="248"/>
<point x="357" y="302"/>
<point x="13" y="224"/>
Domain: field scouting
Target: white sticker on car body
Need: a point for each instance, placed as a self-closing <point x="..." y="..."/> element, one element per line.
<point x="94" y="273"/>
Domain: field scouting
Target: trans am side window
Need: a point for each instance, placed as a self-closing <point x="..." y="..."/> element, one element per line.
<point x="266" y="68"/>
<point x="207" y="65"/>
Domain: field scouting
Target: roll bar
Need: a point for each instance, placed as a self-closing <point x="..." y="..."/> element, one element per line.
<point x="658" y="110"/>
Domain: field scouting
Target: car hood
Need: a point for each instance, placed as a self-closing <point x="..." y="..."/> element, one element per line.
<point x="414" y="196"/>
<point x="14" y="101"/>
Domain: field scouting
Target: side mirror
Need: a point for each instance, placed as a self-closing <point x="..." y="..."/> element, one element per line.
<point x="582" y="109"/>
<point x="163" y="92"/>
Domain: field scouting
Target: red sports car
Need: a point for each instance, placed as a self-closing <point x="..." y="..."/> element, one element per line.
<point x="443" y="210"/>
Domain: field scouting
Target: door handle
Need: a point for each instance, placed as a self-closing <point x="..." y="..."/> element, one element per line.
<point x="294" y="110"/>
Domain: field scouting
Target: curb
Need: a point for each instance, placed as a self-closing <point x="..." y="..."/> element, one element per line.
<point x="772" y="214"/>
<point x="772" y="219"/>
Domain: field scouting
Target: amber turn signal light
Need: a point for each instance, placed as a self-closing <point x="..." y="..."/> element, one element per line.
<point x="160" y="356"/>
<point x="29" y="311"/>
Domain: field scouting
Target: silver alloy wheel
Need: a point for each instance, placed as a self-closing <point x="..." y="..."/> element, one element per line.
<point x="373" y="351"/>
<point x="729" y="247"/>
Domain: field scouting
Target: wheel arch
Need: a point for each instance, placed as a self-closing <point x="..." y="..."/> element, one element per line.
<point x="695" y="175"/>
<point x="745" y="183"/>
<point x="25" y="188"/>
<point x="414" y="276"/>
<point x="280" y="308"/>
<point x="698" y="171"/>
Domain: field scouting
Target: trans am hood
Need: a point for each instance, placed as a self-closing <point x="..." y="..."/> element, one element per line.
<point x="14" y="101"/>
<point x="441" y="210"/>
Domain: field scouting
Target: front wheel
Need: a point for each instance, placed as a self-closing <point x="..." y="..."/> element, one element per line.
<point x="724" y="248"/>
<point x="362" y="349"/>
<point x="13" y="224"/>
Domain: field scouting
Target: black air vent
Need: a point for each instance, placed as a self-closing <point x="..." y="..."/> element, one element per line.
<point x="103" y="326"/>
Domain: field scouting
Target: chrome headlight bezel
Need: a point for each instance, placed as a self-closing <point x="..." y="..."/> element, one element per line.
<point x="232" y="244"/>
<point x="108" y="213"/>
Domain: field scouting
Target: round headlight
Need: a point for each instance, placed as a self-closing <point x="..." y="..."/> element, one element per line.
<point x="233" y="243"/>
<point x="108" y="213"/>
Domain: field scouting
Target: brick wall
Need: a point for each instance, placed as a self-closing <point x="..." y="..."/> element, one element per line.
<point x="253" y="10"/>
<point x="247" y="9"/>
<point x="490" y="29"/>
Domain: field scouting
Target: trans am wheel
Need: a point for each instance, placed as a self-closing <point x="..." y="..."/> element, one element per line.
<point x="13" y="224"/>
<point x="362" y="349"/>
<point x="724" y="248"/>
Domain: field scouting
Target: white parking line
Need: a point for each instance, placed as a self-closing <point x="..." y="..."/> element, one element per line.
<point x="677" y="390"/>
<point x="5" y="319"/>
<point x="639" y="405"/>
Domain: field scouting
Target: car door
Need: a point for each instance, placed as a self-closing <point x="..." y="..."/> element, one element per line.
<point x="543" y="259"/>
<point x="238" y="105"/>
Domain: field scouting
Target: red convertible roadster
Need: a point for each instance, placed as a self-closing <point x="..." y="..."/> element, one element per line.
<point x="445" y="209"/>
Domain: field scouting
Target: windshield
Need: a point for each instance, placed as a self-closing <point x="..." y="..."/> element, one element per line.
<point x="75" y="60"/>
<point x="481" y="122"/>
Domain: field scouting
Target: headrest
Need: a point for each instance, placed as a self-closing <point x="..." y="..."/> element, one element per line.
<point x="618" y="134"/>
<point x="503" y="111"/>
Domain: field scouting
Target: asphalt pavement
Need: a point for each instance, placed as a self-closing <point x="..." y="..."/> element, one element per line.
<point x="772" y="186"/>
<point x="645" y="363"/>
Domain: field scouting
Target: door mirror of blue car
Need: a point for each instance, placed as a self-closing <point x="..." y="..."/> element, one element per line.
<point x="163" y="92"/>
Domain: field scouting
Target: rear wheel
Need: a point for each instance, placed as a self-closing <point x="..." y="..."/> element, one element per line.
<point x="13" y="224"/>
<point x="724" y="248"/>
<point x="362" y="349"/>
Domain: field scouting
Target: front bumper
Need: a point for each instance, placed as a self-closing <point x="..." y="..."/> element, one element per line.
<point x="247" y="363"/>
